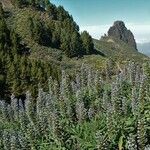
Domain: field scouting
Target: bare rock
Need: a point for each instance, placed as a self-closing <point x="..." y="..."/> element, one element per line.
<point x="119" y="31"/>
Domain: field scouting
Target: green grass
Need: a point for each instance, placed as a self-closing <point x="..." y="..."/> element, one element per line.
<point x="119" y="50"/>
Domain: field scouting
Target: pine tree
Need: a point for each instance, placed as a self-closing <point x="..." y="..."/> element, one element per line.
<point x="65" y="40"/>
<point x="35" y="29"/>
<point x="47" y="3"/>
<point x="52" y="11"/>
<point x="32" y="2"/>
<point x="62" y="14"/>
<point x="35" y="3"/>
<point x="1" y="11"/>
<point x="87" y="42"/>
<point x="76" y="45"/>
<point x="4" y="35"/>
<point x="15" y="43"/>
<point x="56" y="37"/>
<point x="18" y="3"/>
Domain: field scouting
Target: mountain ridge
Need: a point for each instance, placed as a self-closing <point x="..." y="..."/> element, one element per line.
<point x="23" y="12"/>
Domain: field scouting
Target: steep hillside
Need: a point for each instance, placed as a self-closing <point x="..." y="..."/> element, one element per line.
<point x="38" y="39"/>
<point x="109" y="47"/>
<point x="44" y="24"/>
<point x="119" y="43"/>
<point x="118" y="50"/>
<point x="56" y="29"/>
<point x="62" y="90"/>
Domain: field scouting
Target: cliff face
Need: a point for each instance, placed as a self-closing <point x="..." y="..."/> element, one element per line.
<point x="119" y="31"/>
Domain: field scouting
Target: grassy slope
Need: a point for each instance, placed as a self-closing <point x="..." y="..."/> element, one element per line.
<point x="117" y="50"/>
<point x="18" y="21"/>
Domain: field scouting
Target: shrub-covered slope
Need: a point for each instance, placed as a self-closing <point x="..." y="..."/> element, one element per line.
<point x="34" y="36"/>
<point x="37" y="39"/>
<point x="86" y="113"/>
<point x="118" y="50"/>
<point x="50" y="26"/>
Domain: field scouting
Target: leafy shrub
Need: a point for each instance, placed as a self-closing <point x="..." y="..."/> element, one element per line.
<point x="81" y="113"/>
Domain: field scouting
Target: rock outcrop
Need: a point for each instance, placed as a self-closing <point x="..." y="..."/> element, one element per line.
<point x="119" y="31"/>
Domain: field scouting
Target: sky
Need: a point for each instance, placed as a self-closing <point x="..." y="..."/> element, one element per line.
<point x="96" y="16"/>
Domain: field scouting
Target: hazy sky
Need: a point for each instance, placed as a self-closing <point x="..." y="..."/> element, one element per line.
<point x="96" y="16"/>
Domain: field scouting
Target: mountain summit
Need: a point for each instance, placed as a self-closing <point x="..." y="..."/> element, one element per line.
<point x="119" y="31"/>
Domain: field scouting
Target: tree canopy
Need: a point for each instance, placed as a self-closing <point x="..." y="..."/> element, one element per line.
<point x="18" y="72"/>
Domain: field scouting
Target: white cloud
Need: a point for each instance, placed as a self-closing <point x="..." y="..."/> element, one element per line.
<point x="140" y="31"/>
<point x="96" y="31"/>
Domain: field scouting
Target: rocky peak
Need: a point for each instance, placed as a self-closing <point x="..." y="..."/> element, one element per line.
<point x="119" y="31"/>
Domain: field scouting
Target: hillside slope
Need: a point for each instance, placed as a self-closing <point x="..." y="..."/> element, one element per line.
<point x="106" y="48"/>
<point x="118" y="50"/>
<point x="40" y="40"/>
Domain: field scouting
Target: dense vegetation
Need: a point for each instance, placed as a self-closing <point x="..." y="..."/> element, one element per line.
<point x="18" y="72"/>
<point x="82" y="113"/>
<point x="37" y="36"/>
<point x="82" y="110"/>
<point x="58" y="31"/>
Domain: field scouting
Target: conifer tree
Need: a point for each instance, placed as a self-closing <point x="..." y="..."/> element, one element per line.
<point x="47" y="3"/>
<point x="32" y="2"/>
<point x="62" y="14"/>
<point x="52" y="11"/>
<point x="76" y="45"/>
<point x="56" y="37"/>
<point x="1" y="11"/>
<point x="17" y="3"/>
<point x="35" y="29"/>
<point x="87" y="42"/>
<point x="4" y="35"/>
<point x="15" y="43"/>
